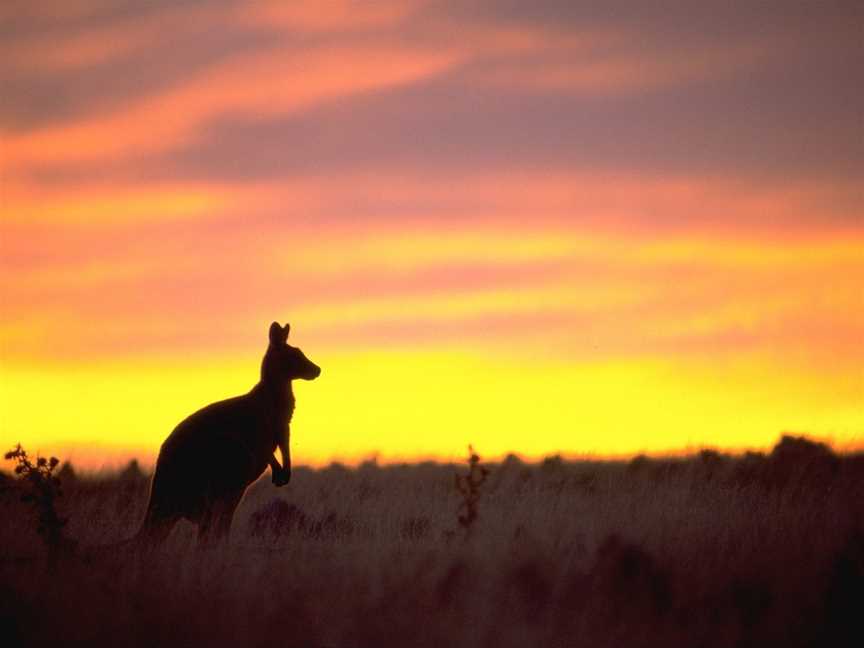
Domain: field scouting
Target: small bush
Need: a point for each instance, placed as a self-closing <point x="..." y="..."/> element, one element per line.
<point x="41" y="490"/>
<point x="278" y="518"/>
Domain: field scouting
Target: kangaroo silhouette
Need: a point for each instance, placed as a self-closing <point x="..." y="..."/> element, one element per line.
<point x="211" y="457"/>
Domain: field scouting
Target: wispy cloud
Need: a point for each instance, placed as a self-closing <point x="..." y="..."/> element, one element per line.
<point x="296" y="80"/>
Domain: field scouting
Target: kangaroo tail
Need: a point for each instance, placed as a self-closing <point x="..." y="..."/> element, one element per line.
<point x="154" y="530"/>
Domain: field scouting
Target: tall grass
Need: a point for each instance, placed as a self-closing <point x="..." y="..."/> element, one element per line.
<point x="710" y="550"/>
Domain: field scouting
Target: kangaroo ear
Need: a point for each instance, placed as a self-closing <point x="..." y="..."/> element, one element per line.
<point x="287" y="329"/>
<point x="277" y="335"/>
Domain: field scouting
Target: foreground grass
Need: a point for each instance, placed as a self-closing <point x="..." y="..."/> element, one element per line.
<point x="705" y="551"/>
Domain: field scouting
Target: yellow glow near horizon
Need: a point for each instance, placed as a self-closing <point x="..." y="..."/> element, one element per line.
<point x="412" y="404"/>
<point x="666" y="343"/>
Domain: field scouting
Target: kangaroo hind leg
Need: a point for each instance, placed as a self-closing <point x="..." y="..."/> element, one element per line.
<point x="215" y="523"/>
<point x="155" y="529"/>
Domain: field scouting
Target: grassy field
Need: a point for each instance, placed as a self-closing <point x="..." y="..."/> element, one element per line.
<point x="708" y="550"/>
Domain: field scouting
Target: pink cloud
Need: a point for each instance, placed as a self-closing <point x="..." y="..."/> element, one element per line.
<point x="298" y="79"/>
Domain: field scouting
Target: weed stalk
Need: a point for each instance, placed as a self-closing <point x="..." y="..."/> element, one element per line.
<point x="468" y="486"/>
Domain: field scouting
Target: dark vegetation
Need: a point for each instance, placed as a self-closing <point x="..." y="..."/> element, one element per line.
<point x="708" y="550"/>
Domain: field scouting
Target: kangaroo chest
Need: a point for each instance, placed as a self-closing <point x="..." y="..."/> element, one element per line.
<point x="273" y="411"/>
<point x="284" y="412"/>
<point x="281" y="413"/>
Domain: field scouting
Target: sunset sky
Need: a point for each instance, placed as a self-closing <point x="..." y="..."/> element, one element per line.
<point x="546" y="226"/>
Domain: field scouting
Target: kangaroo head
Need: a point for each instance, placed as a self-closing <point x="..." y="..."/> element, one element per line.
<point x="283" y="362"/>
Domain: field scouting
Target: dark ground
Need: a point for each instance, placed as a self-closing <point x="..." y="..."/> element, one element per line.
<point x="711" y="550"/>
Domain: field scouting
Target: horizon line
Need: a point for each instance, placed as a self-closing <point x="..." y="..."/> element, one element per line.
<point x="111" y="459"/>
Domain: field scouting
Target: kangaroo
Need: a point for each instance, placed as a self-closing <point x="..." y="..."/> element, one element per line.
<point x="211" y="457"/>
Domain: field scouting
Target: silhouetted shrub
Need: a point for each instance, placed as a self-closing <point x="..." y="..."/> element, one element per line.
<point x="67" y="475"/>
<point x="512" y="462"/>
<point x="750" y="469"/>
<point x="331" y="525"/>
<point x="41" y="488"/>
<point x="655" y="469"/>
<point x="552" y="464"/>
<point x="799" y="463"/>
<point x="638" y="464"/>
<point x="132" y="473"/>
<point x="278" y="518"/>
<point x="710" y="464"/>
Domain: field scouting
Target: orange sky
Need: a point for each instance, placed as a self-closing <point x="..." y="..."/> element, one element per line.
<point x="534" y="228"/>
